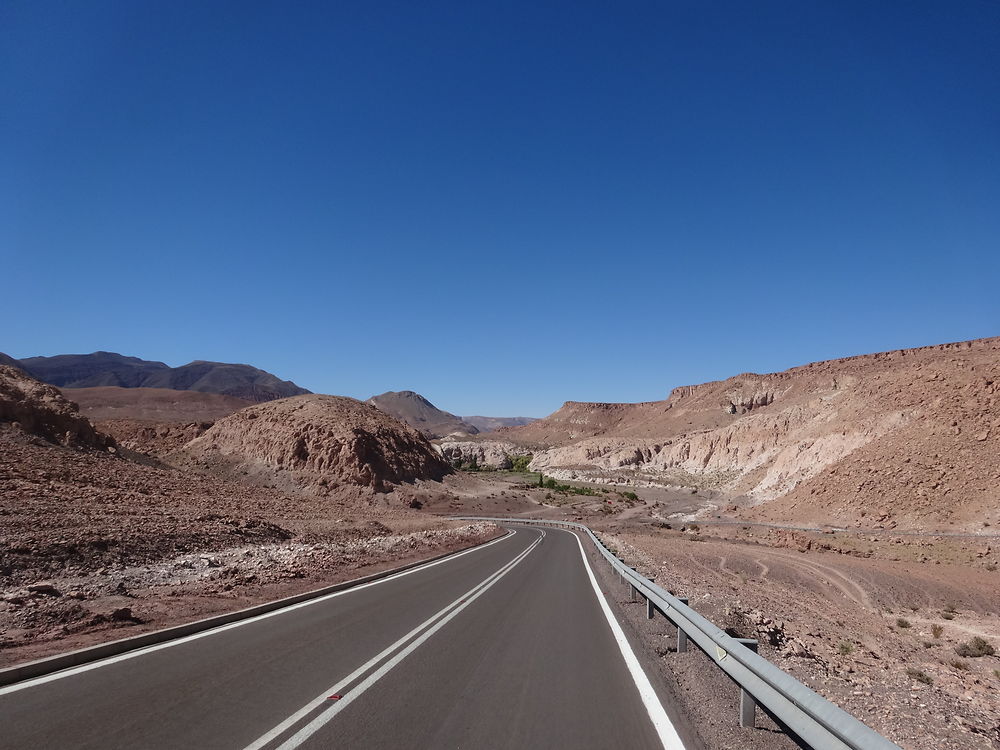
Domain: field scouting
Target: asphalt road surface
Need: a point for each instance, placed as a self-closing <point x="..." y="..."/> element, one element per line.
<point x="506" y="645"/>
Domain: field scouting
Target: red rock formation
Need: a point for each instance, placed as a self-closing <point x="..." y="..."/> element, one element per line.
<point x="317" y="442"/>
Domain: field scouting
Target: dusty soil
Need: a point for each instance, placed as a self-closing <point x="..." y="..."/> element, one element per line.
<point x="75" y="610"/>
<point x="867" y="633"/>
<point x="91" y="543"/>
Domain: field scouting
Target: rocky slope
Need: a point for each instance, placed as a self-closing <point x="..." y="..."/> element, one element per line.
<point x="494" y="453"/>
<point x="320" y="443"/>
<point x="906" y="437"/>
<point x="40" y="410"/>
<point x="7" y="360"/>
<point x="110" y="369"/>
<point x="420" y="413"/>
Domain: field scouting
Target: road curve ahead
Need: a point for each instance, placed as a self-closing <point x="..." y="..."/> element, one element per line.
<point x="506" y="645"/>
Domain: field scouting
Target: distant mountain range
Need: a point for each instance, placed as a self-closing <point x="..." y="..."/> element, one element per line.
<point x="489" y="424"/>
<point x="110" y="369"/>
<point x="418" y="412"/>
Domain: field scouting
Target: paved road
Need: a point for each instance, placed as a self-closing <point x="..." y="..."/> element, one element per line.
<point x="504" y="646"/>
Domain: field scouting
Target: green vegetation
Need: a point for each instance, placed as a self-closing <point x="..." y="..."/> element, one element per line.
<point x="628" y="495"/>
<point x="919" y="675"/>
<point x="519" y="464"/>
<point x="976" y="647"/>
<point x="568" y="489"/>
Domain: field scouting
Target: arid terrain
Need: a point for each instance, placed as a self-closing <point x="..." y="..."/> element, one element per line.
<point x="845" y="514"/>
<point x="99" y="541"/>
<point x="908" y="439"/>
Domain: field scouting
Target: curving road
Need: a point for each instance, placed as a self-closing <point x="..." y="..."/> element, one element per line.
<point x="510" y="644"/>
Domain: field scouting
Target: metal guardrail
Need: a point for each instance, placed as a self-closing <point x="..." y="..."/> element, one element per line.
<point x="810" y="716"/>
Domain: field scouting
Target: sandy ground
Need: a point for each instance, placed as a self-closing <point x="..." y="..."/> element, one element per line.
<point x="77" y="610"/>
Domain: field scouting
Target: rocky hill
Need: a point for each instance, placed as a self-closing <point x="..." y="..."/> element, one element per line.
<point x="420" y="413"/>
<point x="907" y="438"/>
<point x="110" y="369"/>
<point x="40" y="410"/>
<point x="9" y="361"/>
<point x="319" y="443"/>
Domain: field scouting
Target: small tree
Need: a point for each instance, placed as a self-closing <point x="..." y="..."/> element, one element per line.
<point x="520" y="463"/>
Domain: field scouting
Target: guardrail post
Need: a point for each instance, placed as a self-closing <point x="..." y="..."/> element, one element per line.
<point x="650" y="609"/>
<point x="632" y="596"/>
<point x="682" y="638"/>
<point x="748" y="706"/>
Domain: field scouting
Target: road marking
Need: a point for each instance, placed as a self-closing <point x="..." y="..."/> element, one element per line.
<point x="222" y="628"/>
<point x="661" y="722"/>
<point x="443" y="618"/>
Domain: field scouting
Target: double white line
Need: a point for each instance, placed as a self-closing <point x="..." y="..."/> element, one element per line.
<point x="396" y="651"/>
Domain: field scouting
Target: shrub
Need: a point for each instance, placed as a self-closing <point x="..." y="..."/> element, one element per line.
<point x="845" y="648"/>
<point x="959" y="664"/>
<point x="919" y="675"/>
<point x="902" y="622"/>
<point x="947" y="615"/>
<point x="629" y="495"/>
<point x="937" y="630"/>
<point x="520" y="463"/>
<point x="976" y="647"/>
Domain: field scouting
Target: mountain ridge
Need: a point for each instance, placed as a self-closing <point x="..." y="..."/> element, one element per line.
<point x="103" y="369"/>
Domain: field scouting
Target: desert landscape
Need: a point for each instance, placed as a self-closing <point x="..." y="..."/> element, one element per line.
<point x="844" y="513"/>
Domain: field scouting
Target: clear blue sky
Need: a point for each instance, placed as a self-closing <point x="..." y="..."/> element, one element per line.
<point x="502" y="206"/>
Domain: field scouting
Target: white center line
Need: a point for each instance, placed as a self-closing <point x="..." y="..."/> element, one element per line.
<point x="447" y="613"/>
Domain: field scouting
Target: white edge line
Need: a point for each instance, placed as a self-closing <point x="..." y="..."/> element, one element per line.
<point x="661" y="722"/>
<point x="282" y="727"/>
<point x="316" y="724"/>
<point x="33" y="682"/>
